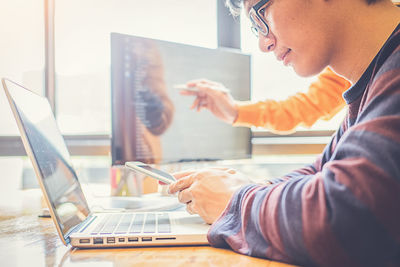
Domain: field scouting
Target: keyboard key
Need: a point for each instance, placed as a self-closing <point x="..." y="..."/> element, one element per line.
<point x="100" y="225"/>
<point x="137" y="224"/>
<point x="123" y="226"/>
<point x="164" y="224"/>
<point x="111" y="224"/>
<point x="150" y="224"/>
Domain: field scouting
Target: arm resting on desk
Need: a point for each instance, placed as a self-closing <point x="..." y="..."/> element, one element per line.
<point x="341" y="213"/>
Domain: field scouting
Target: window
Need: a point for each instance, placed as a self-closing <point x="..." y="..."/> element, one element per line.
<point x="21" y="52"/>
<point x="82" y="45"/>
<point x="82" y="55"/>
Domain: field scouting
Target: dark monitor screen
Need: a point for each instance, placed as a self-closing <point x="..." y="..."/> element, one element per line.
<point x="152" y="122"/>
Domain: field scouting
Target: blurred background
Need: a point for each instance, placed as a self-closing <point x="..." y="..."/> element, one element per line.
<point x="61" y="49"/>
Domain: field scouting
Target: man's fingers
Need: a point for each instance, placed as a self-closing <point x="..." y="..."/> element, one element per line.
<point x="220" y="168"/>
<point x="187" y="92"/>
<point x="181" y="184"/>
<point x="190" y="207"/>
<point x="185" y="196"/>
<point x="181" y="174"/>
<point x="192" y="83"/>
<point x="225" y="169"/>
<point x="232" y="171"/>
<point x="196" y="82"/>
<point x="195" y="103"/>
<point x="204" y="89"/>
<point x="202" y="104"/>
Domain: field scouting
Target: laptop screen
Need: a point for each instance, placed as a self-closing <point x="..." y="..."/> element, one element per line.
<point x="50" y="156"/>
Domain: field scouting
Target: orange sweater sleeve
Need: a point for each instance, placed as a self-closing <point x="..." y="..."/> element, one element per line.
<point x="322" y="101"/>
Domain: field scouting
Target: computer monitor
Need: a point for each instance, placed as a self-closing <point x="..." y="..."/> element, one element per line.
<point x="152" y="122"/>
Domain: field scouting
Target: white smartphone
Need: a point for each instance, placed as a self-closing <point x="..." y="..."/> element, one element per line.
<point x="150" y="171"/>
<point x="185" y="88"/>
<point x="195" y="89"/>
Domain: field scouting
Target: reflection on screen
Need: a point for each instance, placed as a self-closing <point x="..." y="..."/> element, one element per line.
<point x="51" y="157"/>
<point x="142" y="108"/>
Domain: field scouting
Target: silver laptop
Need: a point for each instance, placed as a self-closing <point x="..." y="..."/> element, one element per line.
<point x="75" y="223"/>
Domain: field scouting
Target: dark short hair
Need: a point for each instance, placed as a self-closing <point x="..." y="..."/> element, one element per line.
<point x="235" y="6"/>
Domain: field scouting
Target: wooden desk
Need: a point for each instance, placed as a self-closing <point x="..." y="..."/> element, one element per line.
<point x="27" y="240"/>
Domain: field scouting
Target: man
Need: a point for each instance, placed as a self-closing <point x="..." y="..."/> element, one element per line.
<point x="344" y="210"/>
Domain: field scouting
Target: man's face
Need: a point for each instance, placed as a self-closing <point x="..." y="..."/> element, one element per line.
<point x="300" y="34"/>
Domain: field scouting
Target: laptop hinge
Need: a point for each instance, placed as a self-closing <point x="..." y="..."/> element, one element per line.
<point x="80" y="226"/>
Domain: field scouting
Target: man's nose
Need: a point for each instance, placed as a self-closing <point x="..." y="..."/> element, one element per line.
<point x="266" y="43"/>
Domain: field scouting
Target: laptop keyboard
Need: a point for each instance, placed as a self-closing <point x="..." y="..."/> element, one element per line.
<point x="133" y="224"/>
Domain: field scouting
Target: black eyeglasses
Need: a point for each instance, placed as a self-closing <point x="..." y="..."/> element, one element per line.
<point x="259" y="26"/>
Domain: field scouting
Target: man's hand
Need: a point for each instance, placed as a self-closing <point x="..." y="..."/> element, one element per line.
<point x="207" y="192"/>
<point x="214" y="97"/>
